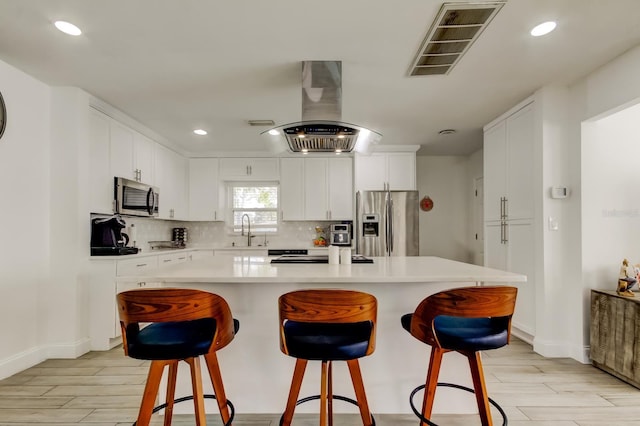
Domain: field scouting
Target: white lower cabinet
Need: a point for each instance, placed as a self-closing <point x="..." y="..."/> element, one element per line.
<point x="172" y="258"/>
<point x="510" y="247"/>
<point x="104" y="318"/>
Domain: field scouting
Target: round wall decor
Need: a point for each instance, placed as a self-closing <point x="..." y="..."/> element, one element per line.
<point x="426" y="204"/>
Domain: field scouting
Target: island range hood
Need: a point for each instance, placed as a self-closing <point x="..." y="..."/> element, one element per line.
<point x="321" y="128"/>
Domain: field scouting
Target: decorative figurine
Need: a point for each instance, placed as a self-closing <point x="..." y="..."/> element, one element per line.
<point x="629" y="276"/>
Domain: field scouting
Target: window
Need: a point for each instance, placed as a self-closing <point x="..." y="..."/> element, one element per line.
<point x="258" y="201"/>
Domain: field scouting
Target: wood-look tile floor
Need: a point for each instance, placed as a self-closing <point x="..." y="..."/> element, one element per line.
<point x="104" y="389"/>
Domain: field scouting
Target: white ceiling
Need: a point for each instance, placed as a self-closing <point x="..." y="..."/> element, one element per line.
<point x="177" y="65"/>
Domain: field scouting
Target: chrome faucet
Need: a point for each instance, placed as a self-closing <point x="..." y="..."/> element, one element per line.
<point x="248" y="229"/>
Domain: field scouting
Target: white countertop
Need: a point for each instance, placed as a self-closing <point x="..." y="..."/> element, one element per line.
<point x="229" y="268"/>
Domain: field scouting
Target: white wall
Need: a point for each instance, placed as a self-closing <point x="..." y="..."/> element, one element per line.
<point x="608" y="89"/>
<point x="445" y="230"/>
<point x="67" y="332"/>
<point x="24" y="215"/>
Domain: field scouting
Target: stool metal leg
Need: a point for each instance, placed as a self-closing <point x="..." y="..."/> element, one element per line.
<point x="218" y="387"/>
<point x="475" y="363"/>
<point x="198" y="395"/>
<point x="150" y="392"/>
<point x="171" y="392"/>
<point x="296" y="383"/>
<point x="432" y="382"/>
<point x="358" y="387"/>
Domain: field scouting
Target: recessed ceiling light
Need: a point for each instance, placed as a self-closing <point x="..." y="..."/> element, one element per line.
<point x="274" y="132"/>
<point x="200" y="132"/>
<point x="338" y="151"/>
<point x="447" y="131"/>
<point x="544" y="28"/>
<point x="67" y="28"/>
<point x="304" y="150"/>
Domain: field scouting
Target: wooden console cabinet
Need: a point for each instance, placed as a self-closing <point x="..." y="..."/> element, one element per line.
<point x="615" y="333"/>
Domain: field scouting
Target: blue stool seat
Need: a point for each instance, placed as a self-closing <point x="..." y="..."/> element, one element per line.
<point x="327" y="325"/>
<point x="327" y="341"/>
<point x="470" y="334"/>
<point x="466" y="320"/>
<point x="171" y="325"/>
<point x="172" y="340"/>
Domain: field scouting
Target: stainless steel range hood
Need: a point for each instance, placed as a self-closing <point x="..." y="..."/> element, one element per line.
<point x="321" y="128"/>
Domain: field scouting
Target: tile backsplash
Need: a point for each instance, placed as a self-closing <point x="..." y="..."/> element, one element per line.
<point x="216" y="234"/>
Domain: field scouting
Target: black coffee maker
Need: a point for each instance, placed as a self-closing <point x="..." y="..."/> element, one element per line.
<point x="107" y="238"/>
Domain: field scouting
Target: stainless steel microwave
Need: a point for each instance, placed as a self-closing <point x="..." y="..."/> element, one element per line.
<point x="135" y="198"/>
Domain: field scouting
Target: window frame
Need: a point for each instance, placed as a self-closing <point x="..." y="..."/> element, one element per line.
<point x="231" y="210"/>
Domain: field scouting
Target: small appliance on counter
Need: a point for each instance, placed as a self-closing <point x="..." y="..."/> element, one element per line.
<point x="180" y="237"/>
<point x="107" y="238"/>
<point x="340" y="234"/>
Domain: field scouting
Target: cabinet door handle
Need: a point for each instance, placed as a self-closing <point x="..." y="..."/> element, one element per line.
<point x="140" y="265"/>
<point x="166" y="260"/>
<point x="250" y="170"/>
<point x="215" y="215"/>
<point x="142" y="284"/>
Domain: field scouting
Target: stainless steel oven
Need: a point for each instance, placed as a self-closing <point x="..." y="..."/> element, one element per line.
<point x="135" y="198"/>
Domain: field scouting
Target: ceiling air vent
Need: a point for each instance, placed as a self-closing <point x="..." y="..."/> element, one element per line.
<point x="453" y="31"/>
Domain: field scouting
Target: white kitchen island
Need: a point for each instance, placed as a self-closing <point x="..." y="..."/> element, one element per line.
<point x="257" y="375"/>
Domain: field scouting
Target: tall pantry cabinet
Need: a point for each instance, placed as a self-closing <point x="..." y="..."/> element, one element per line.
<point x="509" y="194"/>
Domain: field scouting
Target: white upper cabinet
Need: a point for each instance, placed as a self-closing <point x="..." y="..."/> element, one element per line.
<point x="172" y="177"/>
<point x="340" y="188"/>
<point x="204" y="189"/>
<point x="508" y="167"/>
<point x="101" y="196"/>
<point x="131" y="154"/>
<point x="121" y="151"/>
<point x="256" y="169"/>
<point x="328" y="184"/>
<point x="377" y="171"/>
<point x="143" y="159"/>
<point x="292" y="186"/>
<point x="316" y="185"/>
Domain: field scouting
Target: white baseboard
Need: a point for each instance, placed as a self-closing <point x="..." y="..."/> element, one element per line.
<point x="522" y="335"/>
<point x="552" y="349"/>
<point x="29" y="358"/>
<point x="69" y="351"/>
<point x="21" y="361"/>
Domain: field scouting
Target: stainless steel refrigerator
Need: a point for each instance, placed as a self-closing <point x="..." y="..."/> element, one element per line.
<point x="387" y="223"/>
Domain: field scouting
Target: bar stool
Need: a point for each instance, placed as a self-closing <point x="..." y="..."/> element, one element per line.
<point x="327" y="325"/>
<point x="185" y="324"/>
<point x="465" y="320"/>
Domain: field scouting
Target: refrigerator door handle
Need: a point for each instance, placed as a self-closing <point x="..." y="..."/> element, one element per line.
<point x="358" y="223"/>
<point x="390" y="220"/>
